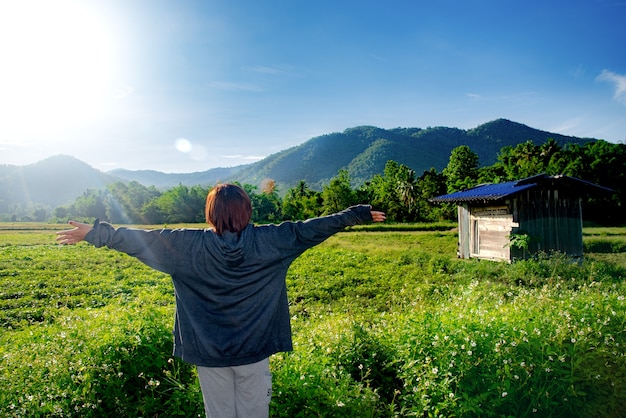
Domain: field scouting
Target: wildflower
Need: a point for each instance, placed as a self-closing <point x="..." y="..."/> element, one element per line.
<point x="504" y="394"/>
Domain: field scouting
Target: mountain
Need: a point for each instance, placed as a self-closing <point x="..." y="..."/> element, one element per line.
<point x="363" y="151"/>
<point x="169" y="180"/>
<point x="51" y="182"/>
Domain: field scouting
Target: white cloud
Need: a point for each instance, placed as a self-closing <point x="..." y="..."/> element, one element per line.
<point x="244" y="157"/>
<point x="263" y="69"/>
<point x="618" y="81"/>
<point x="231" y="86"/>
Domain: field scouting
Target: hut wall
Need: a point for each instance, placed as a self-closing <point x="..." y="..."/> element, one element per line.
<point x="553" y="220"/>
<point x="463" y="250"/>
<point x="490" y="228"/>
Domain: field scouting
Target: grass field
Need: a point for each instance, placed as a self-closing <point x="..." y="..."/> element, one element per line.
<point x="386" y="322"/>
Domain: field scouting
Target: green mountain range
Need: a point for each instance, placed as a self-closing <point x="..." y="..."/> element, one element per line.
<point x="363" y="151"/>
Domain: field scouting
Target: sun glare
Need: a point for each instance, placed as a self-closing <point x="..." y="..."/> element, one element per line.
<point x="56" y="66"/>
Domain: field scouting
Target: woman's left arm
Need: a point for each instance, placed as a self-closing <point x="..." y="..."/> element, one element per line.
<point x="151" y="247"/>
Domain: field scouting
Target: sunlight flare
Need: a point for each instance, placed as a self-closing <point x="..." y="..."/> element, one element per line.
<point x="57" y="66"/>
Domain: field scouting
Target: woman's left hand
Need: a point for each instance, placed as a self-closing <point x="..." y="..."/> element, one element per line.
<point x="73" y="236"/>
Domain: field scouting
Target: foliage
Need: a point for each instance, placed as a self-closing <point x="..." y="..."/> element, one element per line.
<point x="385" y="322"/>
<point x="507" y="150"/>
<point x="338" y="194"/>
<point x="126" y="202"/>
<point x="301" y="202"/>
<point x="396" y="192"/>
<point x="461" y="171"/>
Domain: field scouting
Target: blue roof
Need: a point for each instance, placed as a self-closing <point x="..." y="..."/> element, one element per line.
<point x="490" y="192"/>
<point x="485" y="192"/>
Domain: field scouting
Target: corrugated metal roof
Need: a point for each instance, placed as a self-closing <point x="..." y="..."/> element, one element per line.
<point x="485" y="192"/>
<point x="490" y="192"/>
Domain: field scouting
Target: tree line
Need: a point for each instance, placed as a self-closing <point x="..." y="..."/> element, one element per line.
<point x="398" y="191"/>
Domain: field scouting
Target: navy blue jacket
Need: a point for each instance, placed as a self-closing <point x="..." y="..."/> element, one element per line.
<point x="231" y="295"/>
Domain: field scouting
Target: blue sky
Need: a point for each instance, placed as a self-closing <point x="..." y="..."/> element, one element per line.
<point x="183" y="86"/>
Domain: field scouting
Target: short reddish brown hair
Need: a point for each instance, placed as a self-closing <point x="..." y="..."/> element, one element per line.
<point x="228" y="208"/>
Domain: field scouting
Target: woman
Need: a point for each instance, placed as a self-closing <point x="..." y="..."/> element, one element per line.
<point x="232" y="311"/>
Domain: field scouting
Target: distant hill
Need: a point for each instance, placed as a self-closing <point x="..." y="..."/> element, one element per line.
<point x="169" y="180"/>
<point x="51" y="182"/>
<point x="363" y="151"/>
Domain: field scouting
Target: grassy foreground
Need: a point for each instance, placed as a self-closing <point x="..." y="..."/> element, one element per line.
<point x="386" y="323"/>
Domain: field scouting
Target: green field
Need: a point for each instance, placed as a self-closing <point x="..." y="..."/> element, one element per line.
<point x="386" y="321"/>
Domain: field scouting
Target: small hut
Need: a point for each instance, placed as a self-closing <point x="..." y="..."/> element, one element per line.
<point x="512" y="220"/>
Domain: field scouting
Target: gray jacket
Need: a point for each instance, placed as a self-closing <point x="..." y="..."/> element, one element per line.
<point x="231" y="295"/>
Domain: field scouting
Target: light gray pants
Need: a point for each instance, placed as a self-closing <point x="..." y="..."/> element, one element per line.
<point x="236" y="392"/>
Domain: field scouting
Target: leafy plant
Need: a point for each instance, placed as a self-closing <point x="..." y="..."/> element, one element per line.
<point x="385" y="323"/>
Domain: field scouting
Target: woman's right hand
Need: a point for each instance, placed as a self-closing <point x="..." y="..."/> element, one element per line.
<point x="378" y="216"/>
